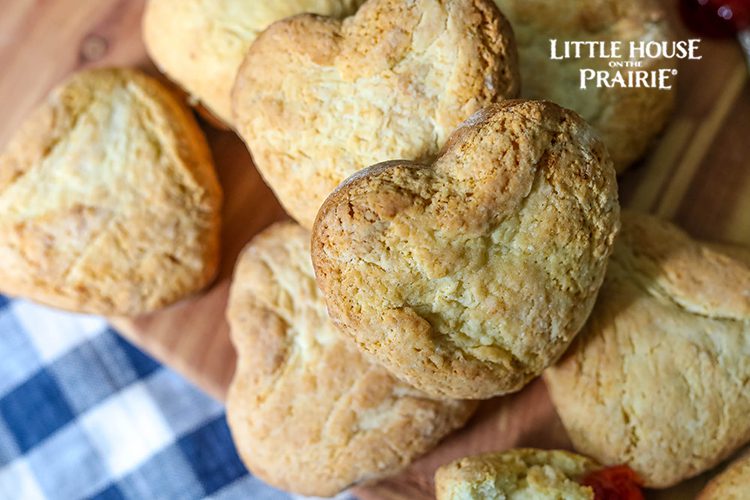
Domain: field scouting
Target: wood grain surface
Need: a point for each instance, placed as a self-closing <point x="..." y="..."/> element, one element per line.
<point x="697" y="173"/>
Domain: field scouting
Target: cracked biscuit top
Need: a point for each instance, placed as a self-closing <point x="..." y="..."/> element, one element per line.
<point x="523" y="473"/>
<point x="308" y="412"/>
<point x="658" y="378"/>
<point x="626" y="119"/>
<point x="469" y="276"/>
<point x="318" y="99"/>
<point x="109" y="202"/>
<point x="201" y="43"/>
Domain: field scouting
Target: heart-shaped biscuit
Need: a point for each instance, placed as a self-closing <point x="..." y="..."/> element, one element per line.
<point x="201" y="43"/>
<point x="308" y="412"/>
<point x="109" y="202"/>
<point x="626" y="119"/>
<point x="658" y="378"/>
<point x="317" y="99"/>
<point x="467" y="277"/>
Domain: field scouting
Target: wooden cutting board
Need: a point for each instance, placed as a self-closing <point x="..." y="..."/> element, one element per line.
<point x="697" y="174"/>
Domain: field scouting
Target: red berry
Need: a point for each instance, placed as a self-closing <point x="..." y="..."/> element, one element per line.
<point x="614" y="483"/>
<point x="716" y="18"/>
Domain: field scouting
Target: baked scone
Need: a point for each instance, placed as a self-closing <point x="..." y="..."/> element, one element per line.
<point x="308" y="412"/>
<point x="732" y="484"/>
<point x="318" y="99"/>
<point x="658" y="377"/>
<point x="109" y="202"/>
<point x="466" y="278"/>
<point x="626" y="119"/>
<point x="201" y="43"/>
<point x="521" y="473"/>
<point x="531" y="474"/>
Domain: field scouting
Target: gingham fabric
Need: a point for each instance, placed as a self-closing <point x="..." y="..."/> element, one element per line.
<point x="84" y="414"/>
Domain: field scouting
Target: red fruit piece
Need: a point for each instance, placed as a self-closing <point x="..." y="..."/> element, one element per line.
<point x="716" y="18"/>
<point x="614" y="483"/>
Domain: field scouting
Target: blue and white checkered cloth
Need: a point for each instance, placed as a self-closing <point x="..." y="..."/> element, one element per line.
<point x="84" y="414"/>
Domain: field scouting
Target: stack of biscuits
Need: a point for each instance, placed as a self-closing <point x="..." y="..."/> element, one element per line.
<point x="456" y="233"/>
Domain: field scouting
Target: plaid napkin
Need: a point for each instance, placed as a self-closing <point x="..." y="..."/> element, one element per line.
<point x="84" y="414"/>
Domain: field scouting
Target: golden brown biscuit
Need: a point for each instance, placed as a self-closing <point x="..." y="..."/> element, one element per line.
<point x="626" y="119"/>
<point x="201" y="43"/>
<point x="658" y="377"/>
<point x="732" y="484"/>
<point x="109" y="202"/>
<point x="317" y="99"/>
<point x="308" y="412"/>
<point x="467" y="277"/>
<point x="524" y="473"/>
